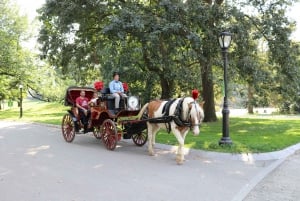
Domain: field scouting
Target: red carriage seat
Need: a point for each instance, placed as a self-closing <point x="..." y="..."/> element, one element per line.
<point x="73" y="92"/>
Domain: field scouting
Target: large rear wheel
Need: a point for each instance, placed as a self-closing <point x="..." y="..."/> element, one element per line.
<point x="68" y="128"/>
<point x="109" y="134"/>
<point x="141" y="138"/>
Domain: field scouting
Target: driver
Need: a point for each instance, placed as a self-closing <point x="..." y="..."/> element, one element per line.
<point x="117" y="90"/>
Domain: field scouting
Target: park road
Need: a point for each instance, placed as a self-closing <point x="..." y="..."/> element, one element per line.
<point x="281" y="184"/>
<point x="38" y="165"/>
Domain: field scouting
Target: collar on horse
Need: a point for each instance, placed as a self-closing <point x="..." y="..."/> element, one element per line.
<point x="178" y="115"/>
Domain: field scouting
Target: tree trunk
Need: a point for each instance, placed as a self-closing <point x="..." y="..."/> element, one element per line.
<point x="147" y="93"/>
<point x="208" y="94"/>
<point x="250" y="98"/>
<point x="166" y="88"/>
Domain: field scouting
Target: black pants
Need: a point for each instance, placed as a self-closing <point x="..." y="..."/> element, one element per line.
<point x="84" y="118"/>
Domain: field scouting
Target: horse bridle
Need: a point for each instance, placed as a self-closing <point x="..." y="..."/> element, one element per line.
<point x="190" y="118"/>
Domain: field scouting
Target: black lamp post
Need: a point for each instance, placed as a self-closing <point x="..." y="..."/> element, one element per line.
<point x="21" y="100"/>
<point x="224" y="41"/>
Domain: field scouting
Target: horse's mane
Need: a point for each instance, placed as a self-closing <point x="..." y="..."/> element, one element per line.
<point x="185" y="107"/>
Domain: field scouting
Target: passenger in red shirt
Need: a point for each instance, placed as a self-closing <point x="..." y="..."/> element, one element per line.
<point x="83" y="109"/>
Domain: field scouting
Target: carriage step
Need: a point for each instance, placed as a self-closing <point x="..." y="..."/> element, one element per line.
<point x="82" y="131"/>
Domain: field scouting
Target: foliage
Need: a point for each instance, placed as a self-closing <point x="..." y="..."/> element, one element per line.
<point x="12" y="57"/>
<point x="21" y="66"/>
<point x="170" y="47"/>
<point x="270" y="58"/>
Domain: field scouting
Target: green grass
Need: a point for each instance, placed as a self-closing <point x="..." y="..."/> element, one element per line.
<point x="36" y="111"/>
<point x="251" y="134"/>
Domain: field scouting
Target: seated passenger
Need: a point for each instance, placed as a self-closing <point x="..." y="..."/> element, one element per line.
<point x="83" y="109"/>
<point x="117" y="90"/>
<point x="93" y="101"/>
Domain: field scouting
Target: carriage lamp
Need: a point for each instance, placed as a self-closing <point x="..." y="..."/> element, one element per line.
<point x="224" y="41"/>
<point x="21" y="100"/>
<point x="133" y="103"/>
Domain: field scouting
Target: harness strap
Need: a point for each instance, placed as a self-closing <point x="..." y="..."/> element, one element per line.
<point x="178" y="117"/>
<point x="166" y="108"/>
<point x="166" y="112"/>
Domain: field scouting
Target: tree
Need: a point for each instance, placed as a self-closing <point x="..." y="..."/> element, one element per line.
<point x="173" y="43"/>
<point x="12" y="56"/>
<point x="270" y="57"/>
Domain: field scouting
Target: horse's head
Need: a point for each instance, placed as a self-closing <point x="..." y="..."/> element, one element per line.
<point x="196" y="116"/>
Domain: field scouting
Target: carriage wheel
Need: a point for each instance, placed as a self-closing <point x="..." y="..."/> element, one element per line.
<point x="141" y="138"/>
<point x="109" y="134"/>
<point x="97" y="132"/>
<point x="68" y="128"/>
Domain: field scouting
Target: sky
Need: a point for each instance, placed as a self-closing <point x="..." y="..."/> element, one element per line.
<point x="29" y="7"/>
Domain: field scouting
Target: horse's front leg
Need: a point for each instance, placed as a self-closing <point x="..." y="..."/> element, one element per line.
<point x="180" y="151"/>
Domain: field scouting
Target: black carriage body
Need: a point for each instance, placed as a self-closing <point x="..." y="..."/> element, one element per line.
<point x="132" y="127"/>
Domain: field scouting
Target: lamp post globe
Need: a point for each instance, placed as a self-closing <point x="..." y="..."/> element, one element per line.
<point x="21" y="100"/>
<point x="225" y="41"/>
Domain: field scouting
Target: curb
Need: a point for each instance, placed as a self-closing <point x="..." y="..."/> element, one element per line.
<point x="246" y="157"/>
<point x="247" y="188"/>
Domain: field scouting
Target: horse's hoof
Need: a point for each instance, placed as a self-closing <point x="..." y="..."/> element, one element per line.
<point x="151" y="153"/>
<point x="179" y="162"/>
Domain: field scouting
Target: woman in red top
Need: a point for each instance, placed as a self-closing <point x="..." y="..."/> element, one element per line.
<point x="83" y="109"/>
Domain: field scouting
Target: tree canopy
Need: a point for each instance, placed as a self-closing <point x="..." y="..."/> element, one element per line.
<point x="166" y="48"/>
<point x="12" y="56"/>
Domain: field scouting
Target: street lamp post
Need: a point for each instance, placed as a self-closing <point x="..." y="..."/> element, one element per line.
<point x="224" y="41"/>
<point x="21" y="100"/>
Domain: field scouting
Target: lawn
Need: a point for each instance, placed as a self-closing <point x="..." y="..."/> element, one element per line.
<point x="250" y="134"/>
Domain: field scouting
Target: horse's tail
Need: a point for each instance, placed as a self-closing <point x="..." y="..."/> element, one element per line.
<point x="144" y="108"/>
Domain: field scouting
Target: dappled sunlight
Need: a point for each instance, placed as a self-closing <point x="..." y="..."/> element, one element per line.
<point x="237" y="172"/>
<point x="206" y="144"/>
<point x="190" y="145"/>
<point x="207" y="161"/>
<point x="98" y="166"/>
<point x="34" y="151"/>
<point x="247" y="157"/>
<point x="4" y="172"/>
<point x="11" y="125"/>
<point x="293" y="131"/>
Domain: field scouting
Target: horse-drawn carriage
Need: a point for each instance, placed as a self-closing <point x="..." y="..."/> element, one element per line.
<point x="177" y="115"/>
<point x="104" y="122"/>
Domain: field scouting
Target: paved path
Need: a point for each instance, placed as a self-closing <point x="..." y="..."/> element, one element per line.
<point x="281" y="184"/>
<point x="37" y="164"/>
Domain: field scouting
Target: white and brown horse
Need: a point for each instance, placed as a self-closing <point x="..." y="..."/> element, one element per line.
<point x="178" y="115"/>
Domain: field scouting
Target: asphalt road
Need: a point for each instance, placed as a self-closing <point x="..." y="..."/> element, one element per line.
<point x="282" y="184"/>
<point x="36" y="164"/>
